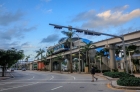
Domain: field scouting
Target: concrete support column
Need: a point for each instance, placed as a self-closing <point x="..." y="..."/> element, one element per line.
<point x="60" y="66"/>
<point x="68" y="65"/>
<point x="112" y="57"/>
<point x="50" y="65"/>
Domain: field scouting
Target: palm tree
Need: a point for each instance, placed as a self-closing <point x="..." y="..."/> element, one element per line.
<point x="85" y="49"/>
<point x="69" y="35"/>
<point x="59" y="57"/>
<point x="134" y="49"/>
<point x="118" y="50"/>
<point x="40" y="53"/>
<point x="27" y="58"/>
<point x="100" y="54"/>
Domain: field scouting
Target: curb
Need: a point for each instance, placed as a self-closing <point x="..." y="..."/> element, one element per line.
<point x="114" y="84"/>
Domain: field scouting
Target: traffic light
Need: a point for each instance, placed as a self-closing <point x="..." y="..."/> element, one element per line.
<point x="58" y="27"/>
<point x="88" y="33"/>
<point x="70" y="28"/>
<point x="80" y="31"/>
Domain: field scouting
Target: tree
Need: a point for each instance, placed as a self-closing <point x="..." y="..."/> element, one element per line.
<point x="132" y="49"/>
<point x="85" y="49"/>
<point x="118" y="50"/>
<point x="69" y="35"/>
<point x="27" y="57"/>
<point x="59" y="57"/>
<point x="40" y="53"/>
<point x="9" y="57"/>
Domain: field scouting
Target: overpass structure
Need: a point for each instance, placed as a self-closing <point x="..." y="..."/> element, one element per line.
<point x="133" y="37"/>
<point x="129" y="38"/>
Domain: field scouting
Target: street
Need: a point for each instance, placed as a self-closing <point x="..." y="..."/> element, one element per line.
<point x="40" y="81"/>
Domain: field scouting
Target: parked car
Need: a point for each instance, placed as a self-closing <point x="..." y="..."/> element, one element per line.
<point x="23" y="69"/>
<point x="12" y="69"/>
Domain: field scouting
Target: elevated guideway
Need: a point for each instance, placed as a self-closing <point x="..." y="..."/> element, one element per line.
<point x="133" y="37"/>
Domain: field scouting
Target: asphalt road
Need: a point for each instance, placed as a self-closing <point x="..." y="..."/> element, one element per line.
<point x="37" y="81"/>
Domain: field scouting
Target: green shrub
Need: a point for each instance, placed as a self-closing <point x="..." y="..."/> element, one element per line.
<point x="117" y="74"/>
<point x="130" y="81"/>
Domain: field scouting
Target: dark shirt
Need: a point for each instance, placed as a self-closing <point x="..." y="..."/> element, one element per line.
<point x="92" y="71"/>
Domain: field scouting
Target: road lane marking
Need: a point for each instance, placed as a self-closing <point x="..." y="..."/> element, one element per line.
<point x="18" y="86"/>
<point x="31" y="78"/>
<point x="56" y="87"/>
<point x="6" y="83"/>
<point x="73" y="77"/>
<point x="51" y="77"/>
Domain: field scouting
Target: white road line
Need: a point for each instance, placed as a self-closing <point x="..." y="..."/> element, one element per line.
<point x="73" y="77"/>
<point x="6" y="83"/>
<point x="31" y="78"/>
<point x="52" y="77"/>
<point x="17" y="87"/>
<point x="56" y="87"/>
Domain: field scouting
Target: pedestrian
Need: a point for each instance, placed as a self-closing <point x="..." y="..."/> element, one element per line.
<point x="93" y="73"/>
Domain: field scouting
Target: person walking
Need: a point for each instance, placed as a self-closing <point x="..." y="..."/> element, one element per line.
<point x="93" y="73"/>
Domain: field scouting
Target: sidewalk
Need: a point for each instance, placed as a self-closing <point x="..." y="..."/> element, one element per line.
<point x="8" y="74"/>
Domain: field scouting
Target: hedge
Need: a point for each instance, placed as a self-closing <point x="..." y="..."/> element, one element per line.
<point x="130" y="81"/>
<point x="117" y="74"/>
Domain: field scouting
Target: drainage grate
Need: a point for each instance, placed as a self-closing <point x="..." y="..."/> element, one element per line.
<point x="81" y="87"/>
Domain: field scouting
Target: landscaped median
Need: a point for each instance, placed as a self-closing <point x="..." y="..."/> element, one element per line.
<point x="125" y="81"/>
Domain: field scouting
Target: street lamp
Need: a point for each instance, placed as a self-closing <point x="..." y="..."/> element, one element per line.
<point x="89" y="32"/>
<point x="130" y="60"/>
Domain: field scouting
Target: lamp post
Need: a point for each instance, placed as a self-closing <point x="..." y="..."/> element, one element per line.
<point x="130" y="60"/>
<point x="79" y="54"/>
<point x="89" y="32"/>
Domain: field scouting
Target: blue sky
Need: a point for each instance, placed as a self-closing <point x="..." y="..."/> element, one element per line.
<point x="24" y="24"/>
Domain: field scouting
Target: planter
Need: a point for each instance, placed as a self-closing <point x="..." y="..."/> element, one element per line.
<point x="86" y="69"/>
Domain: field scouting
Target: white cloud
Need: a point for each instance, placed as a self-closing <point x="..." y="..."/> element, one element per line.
<point x="27" y="45"/>
<point x="107" y="18"/>
<point x="47" y="11"/>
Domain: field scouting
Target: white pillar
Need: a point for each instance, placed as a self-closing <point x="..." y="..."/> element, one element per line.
<point x="112" y="57"/>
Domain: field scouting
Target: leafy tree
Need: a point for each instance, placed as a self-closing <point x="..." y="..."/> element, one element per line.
<point x="9" y="57"/>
